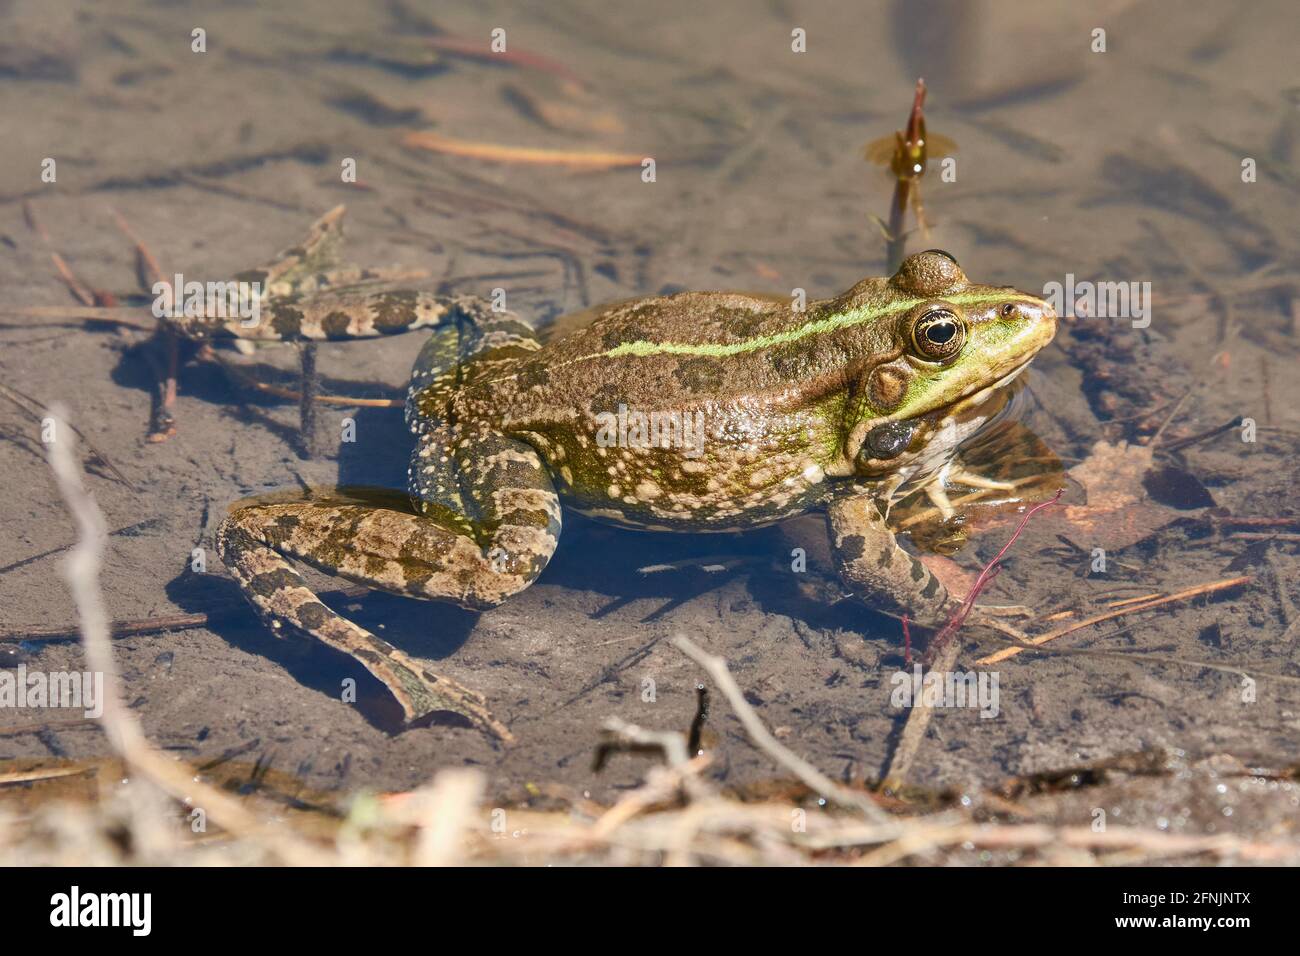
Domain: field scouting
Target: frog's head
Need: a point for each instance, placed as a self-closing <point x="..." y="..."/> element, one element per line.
<point x="943" y="344"/>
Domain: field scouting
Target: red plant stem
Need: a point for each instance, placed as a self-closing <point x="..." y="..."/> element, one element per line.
<point x="984" y="580"/>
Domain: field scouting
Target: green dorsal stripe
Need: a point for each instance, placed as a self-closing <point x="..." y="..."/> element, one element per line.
<point x="831" y="323"/>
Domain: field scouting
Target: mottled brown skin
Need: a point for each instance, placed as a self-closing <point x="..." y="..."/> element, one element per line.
<point x="835" y="406"/>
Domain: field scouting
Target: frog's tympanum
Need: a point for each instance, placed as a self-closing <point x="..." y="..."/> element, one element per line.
<point x="700" y="411"/>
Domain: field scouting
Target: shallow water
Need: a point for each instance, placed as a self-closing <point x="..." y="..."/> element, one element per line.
<point x="1122" y="166"/>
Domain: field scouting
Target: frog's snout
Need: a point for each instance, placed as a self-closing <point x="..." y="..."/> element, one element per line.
<point x="1045" y="317"/>
<point x="1034" y="318"/>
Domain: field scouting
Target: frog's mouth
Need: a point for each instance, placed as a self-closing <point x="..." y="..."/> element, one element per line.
<point x="981" y="395"/>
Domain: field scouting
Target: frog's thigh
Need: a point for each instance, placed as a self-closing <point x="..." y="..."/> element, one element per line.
<point x="878" y="570"/>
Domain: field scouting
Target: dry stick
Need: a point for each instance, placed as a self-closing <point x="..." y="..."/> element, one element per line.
<point x="120" y="725"/>
<point x="44" y="773"/>
<point x="155" y="625"/>
<point x="1200" y="589"/>
<point x="759" y="735"/>
<point x="147" y="266"/>
<point x="123" y="315"/>
<point x="1072" y="611"/>
<point x="309" y="387"/>
<point x="1140" y="656"/>
<point x="502" y="153"/>
<point x="64" y="632"/>
<point x="79" y="291"/>
<point x="918" y="722"/>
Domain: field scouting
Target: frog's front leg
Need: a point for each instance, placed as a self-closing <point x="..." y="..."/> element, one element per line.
<point x="483" y="540"/>
<point x="878" y="570"/>
<point x="873" y="564"/>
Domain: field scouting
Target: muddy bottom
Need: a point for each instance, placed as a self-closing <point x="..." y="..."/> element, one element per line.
<point x="761" y="185"/>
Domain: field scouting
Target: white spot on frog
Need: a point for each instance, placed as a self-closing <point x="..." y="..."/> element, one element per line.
<point x="647" y="490"/>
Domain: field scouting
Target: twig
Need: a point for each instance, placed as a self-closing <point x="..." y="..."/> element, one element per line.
<point x="120" y="725"/>
<point x="155" y="625"/>
<point x="500" y="153"/>
<point x="1034" y="835"/>
<point x="116" y="315"/>
<point x="759" y="735"/>
<point x="1200" y="589"/>
<point x="309" y="387"/>
<point x="918" y="722"/>
<point x="79" y="291"/>
<point x="622" y="737"/>
<point x="698" y="721"/>
<point x="207" y="354"/>
<point x="30" y="407"/>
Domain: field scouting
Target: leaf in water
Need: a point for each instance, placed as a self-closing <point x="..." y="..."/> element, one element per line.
<point x="1121" y="508"/>
<point x="1176" y="488"/>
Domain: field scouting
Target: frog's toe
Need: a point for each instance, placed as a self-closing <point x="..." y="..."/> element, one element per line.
<point x="961" y="476"/>
<point x="939" y="498"/>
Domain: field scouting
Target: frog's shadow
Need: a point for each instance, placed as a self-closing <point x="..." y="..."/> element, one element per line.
<point x="594" y="556"/>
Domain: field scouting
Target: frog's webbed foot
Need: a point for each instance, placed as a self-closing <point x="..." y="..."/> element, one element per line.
<point x="938" y="496"/>
<point x="937" y="492"/>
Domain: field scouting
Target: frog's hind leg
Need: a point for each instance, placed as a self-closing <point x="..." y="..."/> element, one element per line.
<point x="315" y="264"/>
<point x="283" y="597"/>
<point x="477" y="559"/>
<point x="876" y="567"/>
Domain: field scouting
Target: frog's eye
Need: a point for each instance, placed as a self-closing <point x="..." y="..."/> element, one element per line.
<point x="938" y="335"/>
<point x="888" y="440"/>
<point x="1008" y="309"/>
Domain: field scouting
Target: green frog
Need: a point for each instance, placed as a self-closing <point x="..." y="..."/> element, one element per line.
<point x="692" y="412"/>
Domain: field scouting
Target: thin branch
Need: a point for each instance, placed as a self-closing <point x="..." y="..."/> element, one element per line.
<point x="762" y="738"/>
<point x="1200" y="589"/>
<point x="120" y="725"/>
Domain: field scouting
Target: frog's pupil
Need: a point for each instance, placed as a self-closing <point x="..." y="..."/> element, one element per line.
<point x="941" y="332"/>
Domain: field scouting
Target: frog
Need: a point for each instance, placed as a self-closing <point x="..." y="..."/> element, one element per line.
<point x="685" y="412"/>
